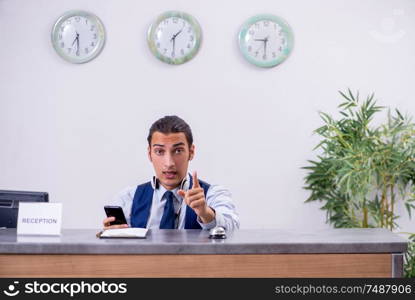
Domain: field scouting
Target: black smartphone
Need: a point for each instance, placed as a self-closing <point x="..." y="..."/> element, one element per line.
<point x="117" y="212"/>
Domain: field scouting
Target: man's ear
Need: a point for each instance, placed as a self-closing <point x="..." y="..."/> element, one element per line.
<point x="192" y="152"/>
<point x="149" y="153"/>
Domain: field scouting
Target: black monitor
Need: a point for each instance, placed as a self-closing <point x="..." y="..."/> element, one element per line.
<point x="9" y="204"/>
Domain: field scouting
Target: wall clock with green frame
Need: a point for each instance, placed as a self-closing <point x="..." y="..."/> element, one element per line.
<point x="174" y="37"/>
<point x="265" y="40"/>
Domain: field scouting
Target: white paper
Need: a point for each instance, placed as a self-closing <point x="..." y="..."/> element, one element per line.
<point x="125" y="232"/>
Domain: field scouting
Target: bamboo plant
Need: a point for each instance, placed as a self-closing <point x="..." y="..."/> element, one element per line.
<point x="363" y="170"/>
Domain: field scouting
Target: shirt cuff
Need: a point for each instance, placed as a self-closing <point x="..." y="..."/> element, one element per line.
<point x="217" y="221"/>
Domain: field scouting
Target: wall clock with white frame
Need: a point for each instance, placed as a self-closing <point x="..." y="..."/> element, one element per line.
<point x="265" y="40"/>
<point x="78" y="36"/>
<point x="174" y="37"/>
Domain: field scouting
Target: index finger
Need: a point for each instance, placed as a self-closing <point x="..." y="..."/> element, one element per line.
<point x="108" y="220"/>
<point x="196" y="183"/>
<point x="115" y="226"/>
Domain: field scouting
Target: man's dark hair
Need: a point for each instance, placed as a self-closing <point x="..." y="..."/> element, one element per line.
<point x="171" y="124"/>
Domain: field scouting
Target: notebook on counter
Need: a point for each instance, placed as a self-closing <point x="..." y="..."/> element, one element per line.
<point x="135" y="233"/>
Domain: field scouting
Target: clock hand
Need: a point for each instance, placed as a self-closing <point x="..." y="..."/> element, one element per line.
<point x="174" y="43"/>
<point x="76" y="38"/>
<point x="265" y="45"/>
<point x="175" y="35"/>
<point x="178" y="33"/>
<point x="173" y="38"/>
<point x="77" y="45"/>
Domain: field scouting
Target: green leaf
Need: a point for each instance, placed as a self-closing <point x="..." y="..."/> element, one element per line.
<point x="351" y="95"/>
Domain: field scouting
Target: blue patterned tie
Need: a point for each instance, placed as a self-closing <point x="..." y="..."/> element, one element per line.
<point x="167" y="221"/>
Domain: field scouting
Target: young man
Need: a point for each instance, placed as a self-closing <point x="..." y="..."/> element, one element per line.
<point x="174" y="198"/>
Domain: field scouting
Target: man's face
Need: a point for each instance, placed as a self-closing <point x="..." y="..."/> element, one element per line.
<point x="170" y="155"/>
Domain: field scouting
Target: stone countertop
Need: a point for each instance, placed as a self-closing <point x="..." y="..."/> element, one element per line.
<point x="243" y="241"/>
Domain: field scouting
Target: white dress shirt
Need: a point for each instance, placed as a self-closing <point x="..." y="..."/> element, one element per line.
<point x="217" y="197"/>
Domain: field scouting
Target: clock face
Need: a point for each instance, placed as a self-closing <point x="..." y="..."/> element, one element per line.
<point x="265" y="40"/>
<point x="174" y="37"/>
<point x="78" y="36"/>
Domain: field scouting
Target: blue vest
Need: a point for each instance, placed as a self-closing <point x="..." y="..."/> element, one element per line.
<point x="143" y="198"/>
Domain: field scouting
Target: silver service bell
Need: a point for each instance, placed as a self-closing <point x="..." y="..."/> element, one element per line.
<point x="217" y="233"/>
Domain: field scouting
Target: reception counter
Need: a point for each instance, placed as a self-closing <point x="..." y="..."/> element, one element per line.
<point x="353" y="252"/>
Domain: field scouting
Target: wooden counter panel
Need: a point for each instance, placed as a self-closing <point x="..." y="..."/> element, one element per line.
<point x="235" y="265"/>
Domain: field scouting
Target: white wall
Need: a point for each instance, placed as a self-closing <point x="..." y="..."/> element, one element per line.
<point x="79" y="131"/>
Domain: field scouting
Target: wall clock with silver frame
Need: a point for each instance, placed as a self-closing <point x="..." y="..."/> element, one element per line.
<point x="174" y="37"/>
<point x="265" y="40"/>
<point x="78" y="36"/>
